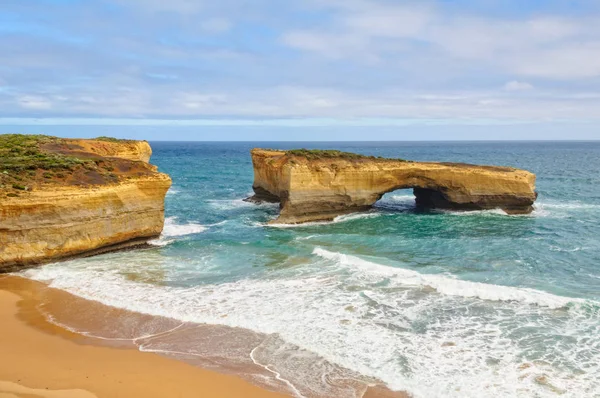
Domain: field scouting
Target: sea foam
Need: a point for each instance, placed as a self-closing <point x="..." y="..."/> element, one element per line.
<point x="461" y="339"/>
<point x="172" y="230"/>
<point x="339" y="219"/>
<point x="452" y="286"/>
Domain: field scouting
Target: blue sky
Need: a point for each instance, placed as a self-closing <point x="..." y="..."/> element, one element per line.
<point x="466" y="69"/>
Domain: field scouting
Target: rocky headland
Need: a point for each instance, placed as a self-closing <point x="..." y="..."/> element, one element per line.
<point x="67" y="197"/>
<point x="319" y="185"/>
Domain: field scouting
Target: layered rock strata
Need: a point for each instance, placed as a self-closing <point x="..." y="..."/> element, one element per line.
<point x="321" y="185"/>
<point x="107" y="197"/>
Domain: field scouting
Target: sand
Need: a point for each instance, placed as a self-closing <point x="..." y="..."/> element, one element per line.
<point x="39" y="359"/>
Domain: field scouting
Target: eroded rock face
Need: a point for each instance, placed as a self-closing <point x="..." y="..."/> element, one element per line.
<point x="323" y="186"/>
<point x="86" y="211"/>
<point x="124" y="149"/>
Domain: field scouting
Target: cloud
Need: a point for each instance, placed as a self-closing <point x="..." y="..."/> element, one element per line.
<point x="544" y="46"/>
<point x="517" y="86"/>
<point x="306" y="102"/>
<point x="34" y="102"/>
<point x="339" y="59"/>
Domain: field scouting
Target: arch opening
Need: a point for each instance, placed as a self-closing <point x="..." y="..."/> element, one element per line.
<point x="397" y="200"/>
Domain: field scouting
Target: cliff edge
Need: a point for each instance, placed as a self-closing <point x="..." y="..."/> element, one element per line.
<point x="316" y="185"/>
<point x="67" y="197"/>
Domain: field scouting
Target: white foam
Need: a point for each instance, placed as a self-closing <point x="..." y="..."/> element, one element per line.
<point x="540" y="209"/>
<point x="380" y="322"/>
<point x="172" y="191"/>
<point x="336" y="220"/>
<point x="575" y="205"/>
<point x="561" y="249"/>
<point x="451" y="286"/>
<point x="396" y="201"/>
<point x="233" y="204"/>
<point x="172" y="229"/>
<point x="305" y="237"/>
<point x="218" y="223"/>
<point x="403" y="198"/>
<point x="495" y="212"/>
<point x="555" y="209"/>
<point x="161" y="242"/>
<point x="278" y="376"/>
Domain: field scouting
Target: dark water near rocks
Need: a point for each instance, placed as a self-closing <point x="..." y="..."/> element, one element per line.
<point x="441" y="304"/>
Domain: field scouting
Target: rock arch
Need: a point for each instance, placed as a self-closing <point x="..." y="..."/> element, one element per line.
<point x="320" y="185"/>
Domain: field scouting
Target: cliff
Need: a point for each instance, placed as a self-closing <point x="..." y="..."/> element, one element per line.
<point x="64" y="197"/>
<point x="103" y="146"/>
<point x="320" y="185"/>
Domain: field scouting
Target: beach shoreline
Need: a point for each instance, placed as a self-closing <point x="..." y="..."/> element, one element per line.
<point x="44" y="358"/>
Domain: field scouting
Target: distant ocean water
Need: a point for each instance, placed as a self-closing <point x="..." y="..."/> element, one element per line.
<point x="440" y="304"/>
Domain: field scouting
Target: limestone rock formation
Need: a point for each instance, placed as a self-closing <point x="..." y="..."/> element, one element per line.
<point x="61" y="198"/>
<point x="320" y="185"/>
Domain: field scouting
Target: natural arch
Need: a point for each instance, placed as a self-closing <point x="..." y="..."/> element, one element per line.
<point x="320" y="185"/>
<point x="397" y="200"/>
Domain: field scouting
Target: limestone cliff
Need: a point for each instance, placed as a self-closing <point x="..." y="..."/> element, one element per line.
<point x="62" y="197"/>
<point x="320" y="185"/>
<point x="106" y="147"/>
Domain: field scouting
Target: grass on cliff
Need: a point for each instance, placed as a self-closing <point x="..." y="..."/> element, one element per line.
<point x="19" y="152"/>
<point x="316" y="154"/>
<point x="112" y="139"/>
<point x="27" y="161"/>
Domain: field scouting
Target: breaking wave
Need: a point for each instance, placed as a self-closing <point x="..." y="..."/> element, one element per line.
<point x="339" y="307"/>
<point x="172" y="230"/>
<point x="451" y="286"/>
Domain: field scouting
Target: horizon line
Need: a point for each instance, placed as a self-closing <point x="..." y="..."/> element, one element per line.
<point x="374" y="141"/>
<point x="282" y="121"/>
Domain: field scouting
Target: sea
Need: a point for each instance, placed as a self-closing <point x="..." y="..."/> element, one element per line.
<point x="434" y="303"/>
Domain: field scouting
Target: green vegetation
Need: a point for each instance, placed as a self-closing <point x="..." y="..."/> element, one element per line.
<point x="315" y="154"/>
<point x="28" y="162"/>
<point x="111" y="139"/>
<point x="21" y="153"/>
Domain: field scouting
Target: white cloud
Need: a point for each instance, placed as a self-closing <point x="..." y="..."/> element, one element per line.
<point x="517" y="86"/>
<point x="572" y="61"/>
<point x="386" y="21"/>
<point x="34" y="102"/>
<point x="548" y="47"/>
<point x="356" y="59"/>
<point x="328" y="44"/>
<point x="310" y="102"/>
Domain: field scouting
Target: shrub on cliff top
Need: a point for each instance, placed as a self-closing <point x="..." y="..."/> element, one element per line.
<point x="30" y="161"/>
<point x="111" y="139"/>
<point x="315" y="154"/>
<point x="20" y="152"/>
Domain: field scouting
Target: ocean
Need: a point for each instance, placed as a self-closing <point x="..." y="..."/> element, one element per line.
<point x="435" y="303"/>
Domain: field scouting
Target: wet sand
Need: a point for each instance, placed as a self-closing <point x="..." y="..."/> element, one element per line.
<point x="38" y="358"/>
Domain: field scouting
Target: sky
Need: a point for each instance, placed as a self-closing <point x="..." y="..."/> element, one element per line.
<point x="302" y="69"/>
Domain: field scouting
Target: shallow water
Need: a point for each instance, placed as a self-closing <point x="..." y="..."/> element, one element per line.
<point x="440" y="304"/>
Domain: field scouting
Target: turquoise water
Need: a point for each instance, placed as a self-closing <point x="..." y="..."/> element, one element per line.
<point x="441" y="304"/>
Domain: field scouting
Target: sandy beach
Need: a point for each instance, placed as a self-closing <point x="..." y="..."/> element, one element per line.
<point x="42" y="359"/>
